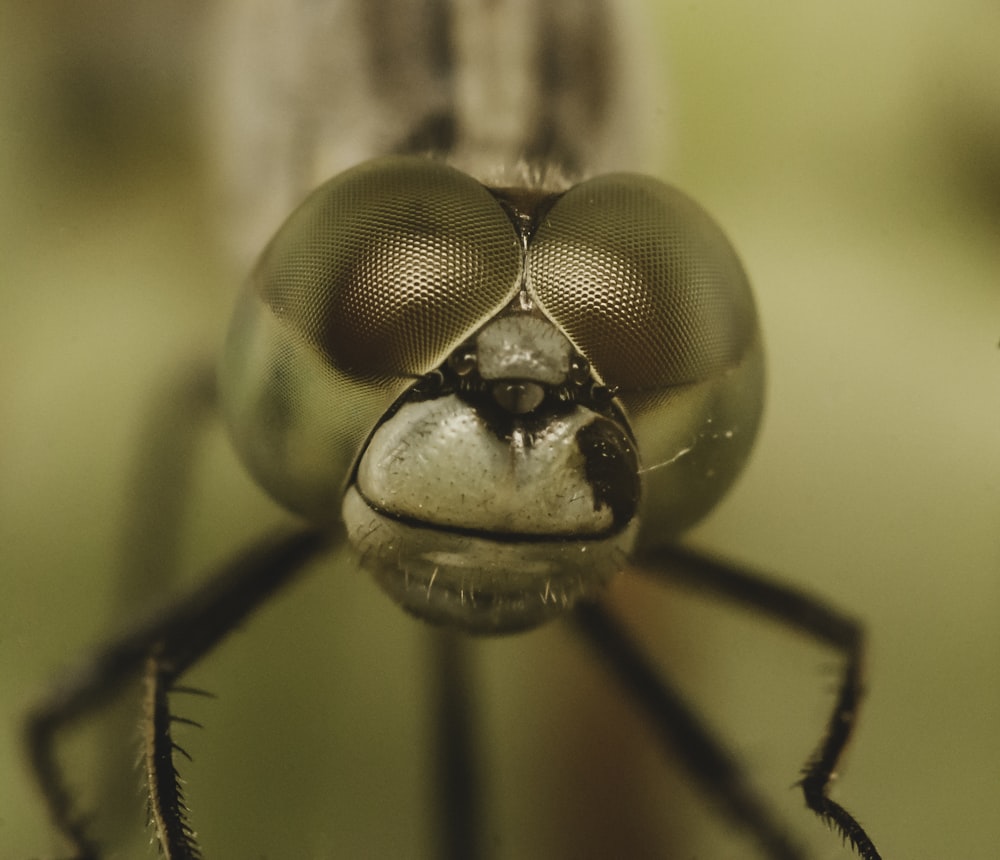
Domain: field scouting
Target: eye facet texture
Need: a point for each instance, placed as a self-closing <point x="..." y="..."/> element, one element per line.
<point x="385" y="268"/>
<point x="643" y="282"/>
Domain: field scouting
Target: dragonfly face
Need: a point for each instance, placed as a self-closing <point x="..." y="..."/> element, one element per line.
<point x="497" y="394"/>
<point x="498" y="391"/>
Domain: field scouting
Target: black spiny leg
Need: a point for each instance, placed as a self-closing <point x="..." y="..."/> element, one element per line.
<point x="168" y="812"/>
<point x="810" y="616"/>
<point x="171" y="641"/>
<point x="178" y="416"/>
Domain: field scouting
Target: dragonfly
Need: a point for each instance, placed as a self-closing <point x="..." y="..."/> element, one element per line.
<point x="484" y="356"/>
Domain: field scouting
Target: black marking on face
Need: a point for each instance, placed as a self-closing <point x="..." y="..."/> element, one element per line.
<point x="611" y="468"/>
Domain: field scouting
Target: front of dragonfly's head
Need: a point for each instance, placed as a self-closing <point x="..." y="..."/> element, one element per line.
<point x="501" y="393"/>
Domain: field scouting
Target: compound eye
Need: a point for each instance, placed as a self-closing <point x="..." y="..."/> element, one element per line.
<point x="643" y="282"/>
<point x="388" y="267"/>
<point x="372" y="283"/>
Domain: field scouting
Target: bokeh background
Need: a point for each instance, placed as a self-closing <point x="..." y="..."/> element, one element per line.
<point x="852" y="151"/>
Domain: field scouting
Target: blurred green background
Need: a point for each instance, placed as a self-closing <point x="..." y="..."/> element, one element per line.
<point x="852" y="151"/>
